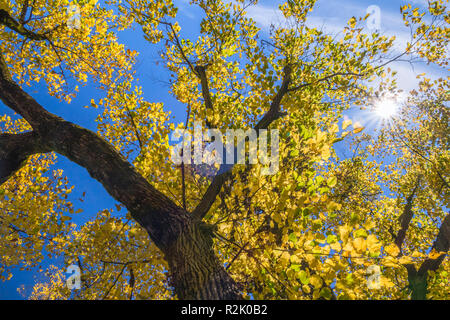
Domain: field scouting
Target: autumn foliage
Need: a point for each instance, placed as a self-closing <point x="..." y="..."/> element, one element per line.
<point x="311" y="231"/>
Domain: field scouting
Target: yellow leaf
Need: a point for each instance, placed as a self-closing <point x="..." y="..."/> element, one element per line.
<point x="284" y="258"/>
<point x="336" y="246"/>
<point x="434" y="254"/>
<point x="385" y="282"/>
<point x="359" y="244"/>
<point x="4" y="5"/>
<point x="390" y="262"/>
<point x="346" y="123"/>
<point x="344" y="232"/>
<point x="315" y="281"/>
<point x="392" y="250"/>
<point x="358" y="130"/>
<point x="373" y="244"/>
<point x="352" y="22"/>
<point x="405" y="260"/>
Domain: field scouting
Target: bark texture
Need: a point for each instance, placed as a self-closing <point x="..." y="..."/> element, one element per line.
<point x="417" y="279"/>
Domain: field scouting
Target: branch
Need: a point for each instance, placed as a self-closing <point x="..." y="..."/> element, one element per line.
<point x="11" y="23"/>
<point x="201" y="73"/>
<point x="324" y="79"/>
<point x="406" y="217"/>
<point x="216" y="185"/>
<point x="18" y="100"/>
<point x="23" y="12"/>
<point x="161" y="217"/>
<point x="417" y="279"/>
<point x="441" y="244"/>
<point x="183" y="173"/>
<point x="210" y="195"/>
<point x="274" y="110"/>
<point x="177" y="42"/>
<point x="396" y="58"/>
<point x="114" y="282"/>
<point x="15" y="150"/>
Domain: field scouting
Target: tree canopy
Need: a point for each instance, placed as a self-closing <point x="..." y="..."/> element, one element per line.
<point x="316" y="229"/>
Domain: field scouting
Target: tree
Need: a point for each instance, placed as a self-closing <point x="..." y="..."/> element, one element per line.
<point x="296" y="234"/>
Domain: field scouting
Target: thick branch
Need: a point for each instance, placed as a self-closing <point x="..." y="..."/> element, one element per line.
<point x="417" y="279"/>
<point x="18" y="100"/>
<point x="201" y="73"/>
<point x="210" y="195"/>
<point x="14" y="151"/>
<point x="11" y="23"/>
<point x="153" y="210"/>
<point x="406" y="217"/>
<point x="441" y="244"/>
<point x="274" y="110"/>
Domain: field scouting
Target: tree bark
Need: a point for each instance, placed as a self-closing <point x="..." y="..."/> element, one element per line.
<point x="196" y="271"/>
<point x="417" y="279"/>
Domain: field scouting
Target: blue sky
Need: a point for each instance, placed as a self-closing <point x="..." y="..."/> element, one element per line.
<point x="331" y="15"/>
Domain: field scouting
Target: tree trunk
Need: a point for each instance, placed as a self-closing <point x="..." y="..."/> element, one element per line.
<point x="196" y="272"/>
<point x="417" y="279"/>
<point x="418" y="286"/>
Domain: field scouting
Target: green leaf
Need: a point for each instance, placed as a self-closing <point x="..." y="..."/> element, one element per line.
<point x="361" y="233"/>
<point x="292" y="238"/>
<point x="331" y="182"/>
<point x="326" y="293"/>
<point x="303" y="276"/>
<point x="331" y="239"/>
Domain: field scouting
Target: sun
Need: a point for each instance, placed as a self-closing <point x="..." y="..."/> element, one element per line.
<point x="386" y="108"/>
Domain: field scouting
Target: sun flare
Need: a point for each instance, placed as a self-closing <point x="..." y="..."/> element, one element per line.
<point x="386" y="108"/>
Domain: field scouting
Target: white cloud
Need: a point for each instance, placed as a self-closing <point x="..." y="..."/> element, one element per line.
<point x="264" y="16"/>
<point x="422" y="3"/>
